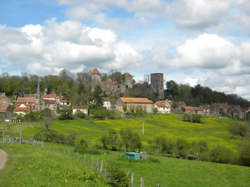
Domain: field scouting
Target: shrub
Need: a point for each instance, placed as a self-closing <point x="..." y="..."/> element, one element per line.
<point x="111" y="141"/>
<point x="116" y="177"/>
<point x="182" y="147"/>
<point x="80" y="115"/>
<point x="82" y="146"/>
<point x="194" y="118"/>
<point x="100" y="113"/>
<point x="198" y="149"/>
<point x="163" y="145"/>
<point x="239" y="129"/>
<point x="220" y="154"/>
<point x="131" y="141"/>
<point x="70" y="139"/>
<point x="245" y="154"/>
<point x="48" y="135"/>
<point x="32" y="116"/>
<point x="65" y="113"/>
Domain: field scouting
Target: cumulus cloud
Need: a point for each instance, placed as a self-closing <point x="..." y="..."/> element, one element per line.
<point x="54" y="46"/>
<point x="206" y="51"/>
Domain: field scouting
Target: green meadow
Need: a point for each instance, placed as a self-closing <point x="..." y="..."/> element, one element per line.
<point x="213" y="130"/>
<point x="58" y="165"/>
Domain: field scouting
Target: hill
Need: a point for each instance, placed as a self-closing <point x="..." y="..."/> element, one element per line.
<point x="58" y="165"/>
<point x="213" y="130"/>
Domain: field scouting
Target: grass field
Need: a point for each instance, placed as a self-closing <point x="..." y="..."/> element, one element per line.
<point x="213" y="130"/>
<point x="58" y="165"/>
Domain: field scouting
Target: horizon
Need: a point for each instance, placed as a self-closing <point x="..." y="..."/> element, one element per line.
<point x="189" y="45"/>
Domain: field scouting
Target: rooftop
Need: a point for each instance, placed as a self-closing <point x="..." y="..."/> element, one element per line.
<point x="135" y="100"/>
<point x="95" y="72"/>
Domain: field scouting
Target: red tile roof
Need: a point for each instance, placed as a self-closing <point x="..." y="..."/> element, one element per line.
<point x="23" y="109"/>
<point x="3" y="107"/>
<point x="24" y="100"/>
<point x="50" y="96"/>
<point x="191" y="108"/>
<point x="95" y="72"/>
<point x="127" y="75"/>
<point x="135" y="100"/>
<point x="160" y="104"/>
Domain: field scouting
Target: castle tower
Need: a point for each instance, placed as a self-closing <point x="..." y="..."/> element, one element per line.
<point x="157" y="84"/>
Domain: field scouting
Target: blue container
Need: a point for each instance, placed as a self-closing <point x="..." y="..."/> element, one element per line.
<point x="133" y="155"/>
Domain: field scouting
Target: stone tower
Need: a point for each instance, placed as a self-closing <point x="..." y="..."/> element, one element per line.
<point x="157" y="84"/>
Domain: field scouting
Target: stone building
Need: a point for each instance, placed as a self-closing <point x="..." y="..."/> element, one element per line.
<point x="132" y="104"/>
<point x="157" y="84"/>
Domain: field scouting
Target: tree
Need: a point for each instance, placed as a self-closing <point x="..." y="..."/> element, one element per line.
<point x="172" y="89"/>
<point x="97" y="97"/>
<point x="65" y="113"/>
<point x="131" y="141"/>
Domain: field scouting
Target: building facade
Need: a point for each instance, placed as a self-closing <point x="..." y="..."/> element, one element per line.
<point x="157" y="84"/>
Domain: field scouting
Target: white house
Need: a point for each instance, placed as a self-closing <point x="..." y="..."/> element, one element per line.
<point x="77" y="109"/>
<point x="107" y="104"/>
<point x="163" y="107"/>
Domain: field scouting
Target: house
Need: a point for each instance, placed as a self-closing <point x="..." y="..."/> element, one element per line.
<point x="23" y="109"/>
<point x="4" y="98"/>
<point x="133" y="104"/>
<point x="178" y="106"/>
<point x="219" y="109"/>
<point x="163" y="107"/>
<point x="107" y="104"/>
<point x="128" y="80"/>
<point x="77" y="109"/>
<point x="237" y="112"/>
<point x="4" y="110"/>
<point x="26" y="103"/>
<point x="193" y="110"/>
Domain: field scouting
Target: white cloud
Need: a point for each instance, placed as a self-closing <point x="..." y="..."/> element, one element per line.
<point x="206" y="51"/>
<point x="49" y="48"/>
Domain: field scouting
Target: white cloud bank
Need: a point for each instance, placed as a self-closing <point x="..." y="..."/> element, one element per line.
<point x="48" y="48"/>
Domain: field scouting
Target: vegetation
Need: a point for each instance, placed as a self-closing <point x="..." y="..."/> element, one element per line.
<point x="199" y="95"/>
<point x="26" y="167"/>
<point x="194" y="118"/>
<point x="240" y="130"/>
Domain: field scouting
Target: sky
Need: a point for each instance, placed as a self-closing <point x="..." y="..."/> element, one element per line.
<point x="203" y="42"/>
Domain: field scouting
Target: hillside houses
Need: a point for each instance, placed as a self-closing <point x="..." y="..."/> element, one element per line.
<point x="163" y="106"/>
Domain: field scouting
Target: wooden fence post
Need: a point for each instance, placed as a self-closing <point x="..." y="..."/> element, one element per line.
<point x="141" y="182"/>
<point x="132" y="180"/>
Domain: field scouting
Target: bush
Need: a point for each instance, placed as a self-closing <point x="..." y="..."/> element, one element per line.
<point x="101" y="113"/>
<point x="80" y="115"/>
<point x="32" y="116"/>
<point x="111" y="141"/>
<point x="65" y="113"/>
<point x="131" y="141"/>
<point x="163" y="145"/>
<point x="70" y="139"/>
<point x="182" y="147"/>
<point x="221" y="155"/>
<point x="194" y="118"/>
<point x="116" y="177"/>
<point x="198" y="149"/>
<point x="245" y="154"/>
<point x="48" y="135"/>
<point x="82" y="146"/>
<point x="239" y="129"/>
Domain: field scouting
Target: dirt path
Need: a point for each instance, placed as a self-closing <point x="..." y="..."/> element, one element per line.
<point x="3" y="158"/>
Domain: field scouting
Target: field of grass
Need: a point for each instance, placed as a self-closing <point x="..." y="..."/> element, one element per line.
<point x="58" y="165"/>
<point x="213" y="130"/>
<point x="31" y="166"/>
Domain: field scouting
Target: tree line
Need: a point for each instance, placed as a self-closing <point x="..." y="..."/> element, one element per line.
<point x="199" y="95"/>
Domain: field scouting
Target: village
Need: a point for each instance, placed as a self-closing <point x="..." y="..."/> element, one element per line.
<point x="116" y="99"/>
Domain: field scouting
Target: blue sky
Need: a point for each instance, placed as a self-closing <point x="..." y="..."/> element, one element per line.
<point x="191" y="41"/>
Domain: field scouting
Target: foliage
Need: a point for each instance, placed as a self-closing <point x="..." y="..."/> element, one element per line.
<point x="116" y="177"/>
<point x="239" y="129"/>
<point x="194" y="118"/>
<point x="245" y="153"/>
<point x="97" y="97"/>
<point x="163" y="145"/>
<point x="200" y="95"/>
<point x="32" y="116"/>
<point x="220" y="154"/>
<point x="101" y="113"/>
<point x="131" y="141"/>
<point x="80" y="115"/>
<point x="65" y="113"/>
<point x="182" y="148"/>
<point x="111" y="141"/>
